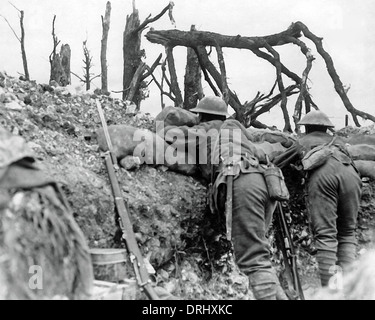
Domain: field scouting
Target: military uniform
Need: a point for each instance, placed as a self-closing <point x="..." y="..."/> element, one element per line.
<point x="221" y="142"/>
<point x="333" y="192"/>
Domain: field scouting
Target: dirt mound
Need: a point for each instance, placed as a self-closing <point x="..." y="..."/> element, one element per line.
<point x="182" y="241"/>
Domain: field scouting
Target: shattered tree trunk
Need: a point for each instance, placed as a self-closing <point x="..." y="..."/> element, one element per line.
<point x="193" y="80"/>
<point x="60" y="66"/>
<point x="132" y="54"/>
<point x="60" y="63"/>
<point x="65" y="61"/>
<point x="103" y="52"/>
<point x="134" y="68"/>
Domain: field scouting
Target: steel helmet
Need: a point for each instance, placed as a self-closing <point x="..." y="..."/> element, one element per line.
<point x="316" y="118"/>
<point x="12" y="149"/>
<point x="212" y="105"/>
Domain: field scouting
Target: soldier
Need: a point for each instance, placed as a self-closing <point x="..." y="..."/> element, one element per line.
<point x="43" y="252"/>
<point x="252" y="206"/>
<point x="333" y="193"/>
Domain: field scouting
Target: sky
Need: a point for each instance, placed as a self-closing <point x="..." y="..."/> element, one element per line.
<point x="346" y="27"/>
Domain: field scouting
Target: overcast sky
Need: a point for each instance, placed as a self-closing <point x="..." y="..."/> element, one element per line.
<point x="347" y="27"/>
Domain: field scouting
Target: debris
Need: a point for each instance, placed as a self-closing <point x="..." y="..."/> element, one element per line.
<point x="130" y="163"/>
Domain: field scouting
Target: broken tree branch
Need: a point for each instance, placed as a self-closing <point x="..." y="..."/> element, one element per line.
<point x="280" y="84"/>
<point x="134" y="85"/>
<point x="274" y="101"/>
<point x="203" y="38"/>
<point x="335" y="77"/>
<point x="149" y="20"/>
<point x="204" y="70"/>
<point x="173" y="74"/>
<point x="233" y="100"/>
<point x="55" y="41"/>
<point x="10" y="26"/>
<point x="162" y="90"/>
<point x="303" y="86"/>
<point x="151" y="69"/>
<point x="223" y="72"/>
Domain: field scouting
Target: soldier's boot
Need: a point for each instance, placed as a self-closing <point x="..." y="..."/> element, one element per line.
<point x="327" y="265"/>
<point x="346" y="255"/>
<point x="280" y="293"/>
<point x="163" y="294"/>
<point x="263" y="285"/>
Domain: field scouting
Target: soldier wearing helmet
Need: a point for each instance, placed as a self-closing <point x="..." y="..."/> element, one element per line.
<point x="211" y="106"/>
<point x="30" y="200"/>
<point x="252" y="206"/>
<point x="333" y="189"/>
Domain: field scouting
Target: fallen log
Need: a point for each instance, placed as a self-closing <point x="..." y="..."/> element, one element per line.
<point x="195" y="38"/>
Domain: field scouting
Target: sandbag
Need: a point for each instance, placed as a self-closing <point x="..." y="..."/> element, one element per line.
<point x="361" y="139"/>
<point x="271" y="149"/>
<point x="261" y="135"/>
<point x="362" y="151"/>
<point x="131" y="141"/>
<point x="173" y="116"/>
<point x="149" y="147"/>
<point x="274" y="137"/>
<point x="121" y="138"/>
<point x="366" y="168"/>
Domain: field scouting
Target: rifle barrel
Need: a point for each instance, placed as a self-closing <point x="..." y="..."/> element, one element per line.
<point x="124" y="220"/>
<point x="106" y="133"/>
<point x="127" y="232"/>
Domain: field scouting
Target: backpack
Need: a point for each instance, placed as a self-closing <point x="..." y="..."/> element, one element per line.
<point x="317" y="156"/>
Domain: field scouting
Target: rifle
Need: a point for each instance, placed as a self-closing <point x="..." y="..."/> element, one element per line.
<point x="128" y="236"/>
<point x="284" y="241"/>
<point x="229" y="201"/>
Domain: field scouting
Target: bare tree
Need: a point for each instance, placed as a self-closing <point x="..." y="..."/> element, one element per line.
<point x="21" y="39"/>
<point x="87" y="65"/>
<point x="103" y="52"/>
<point x="248" y="112"/>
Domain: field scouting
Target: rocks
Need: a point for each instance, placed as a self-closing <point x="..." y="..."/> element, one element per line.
<point x="131" y="109"/>
<point x="13" y="105"/>
<point x="2" y="95"/>
<point x="130" y="163"/>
